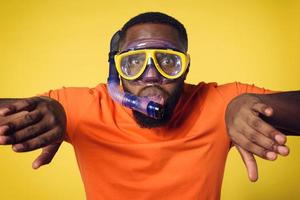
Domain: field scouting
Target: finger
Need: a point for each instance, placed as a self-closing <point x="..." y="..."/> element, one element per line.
<point x="263" y="109"/>
<point x="261" y="126"/>
<point x="3" y="111"/>
<point x="268" y="111"/>
<point x="28" y="132"/>
<point x="5" y="119"/>
<point x="250" y="163"/>
<point x="4" y="140"/>
<point x="257" y="137"/>
<point x="263" y="141"/>
<point x="19" y="105"/>
<point x="46" y="156"/>
<point x="16" y="123"/>
<point x="49" y="137"/>
<point x="3" y="130"/>
<point x="253" y="148"/>
<point x="283" y="150"/>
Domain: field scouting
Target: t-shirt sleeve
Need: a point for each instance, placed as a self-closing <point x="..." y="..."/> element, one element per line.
<point x="231" y="90"/>
<point x="74" y="101"/>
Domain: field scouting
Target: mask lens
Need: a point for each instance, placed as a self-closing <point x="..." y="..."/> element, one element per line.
<point x="132" y="64"/>
<point x="170" y="63"/>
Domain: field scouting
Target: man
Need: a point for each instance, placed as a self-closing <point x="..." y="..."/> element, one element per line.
<point x="178" y="152"/>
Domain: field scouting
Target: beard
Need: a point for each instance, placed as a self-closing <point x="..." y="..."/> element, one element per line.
<point x="145" y="121"/>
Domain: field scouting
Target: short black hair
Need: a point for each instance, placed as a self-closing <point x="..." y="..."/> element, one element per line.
<point x="156" y="17"/>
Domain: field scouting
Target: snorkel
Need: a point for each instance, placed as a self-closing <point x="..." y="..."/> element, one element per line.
<point x="140" y="104"/>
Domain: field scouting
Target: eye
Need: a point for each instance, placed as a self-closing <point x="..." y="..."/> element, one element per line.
<point x="136" y="61"/>
<point x="167" y="61"/>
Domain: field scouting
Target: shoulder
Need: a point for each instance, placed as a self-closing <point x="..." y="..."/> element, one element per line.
<point x="199" y="88"/>
<point x="234" y="89"/>
<point x="78" y="98"/>
<point x="224" y="92"/>
<point x="80" y="93"/>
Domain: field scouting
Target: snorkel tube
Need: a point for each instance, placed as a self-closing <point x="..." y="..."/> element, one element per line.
<point x="140" y="104"/>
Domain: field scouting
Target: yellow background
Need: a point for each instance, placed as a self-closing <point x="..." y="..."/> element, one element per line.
<point x="49" y="44"/>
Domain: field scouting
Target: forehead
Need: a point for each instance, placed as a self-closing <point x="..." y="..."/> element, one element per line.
<point x="151" y="35"/>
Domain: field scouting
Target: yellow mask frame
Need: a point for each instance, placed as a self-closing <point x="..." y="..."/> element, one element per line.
<point x="151" y="53"/>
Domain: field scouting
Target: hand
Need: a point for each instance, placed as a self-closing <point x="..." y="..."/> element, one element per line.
<point x="33" y="123"/>
<point x="250" y="134"/>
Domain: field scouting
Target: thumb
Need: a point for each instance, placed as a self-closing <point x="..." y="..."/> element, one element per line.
<point x="46" y="156"/>
<point x="263" y="109"/>
<point x="250" y="163"/>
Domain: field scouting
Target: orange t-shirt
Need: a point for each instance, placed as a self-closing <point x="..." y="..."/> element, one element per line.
<point x="119" y="160"/>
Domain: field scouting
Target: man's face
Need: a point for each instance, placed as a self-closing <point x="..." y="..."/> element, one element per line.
<point x="152" y="84"/>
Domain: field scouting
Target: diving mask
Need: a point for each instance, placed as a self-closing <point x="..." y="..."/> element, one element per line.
<point x="169" y="63"/>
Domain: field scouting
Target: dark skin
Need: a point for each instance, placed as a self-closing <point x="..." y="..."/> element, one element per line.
<point x="256" y="123"/>
<point x="144" y="32"/>
<point x="34" y="123"/>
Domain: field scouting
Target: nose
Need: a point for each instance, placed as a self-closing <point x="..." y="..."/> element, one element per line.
<point x="151" y="74"/>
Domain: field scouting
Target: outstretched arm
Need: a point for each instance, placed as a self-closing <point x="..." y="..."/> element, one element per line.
<point x="258" y="123"/>
<point x="32" y="123"/>
<point x="285" y="108"/>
